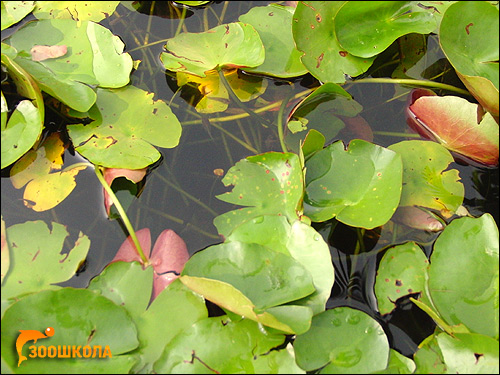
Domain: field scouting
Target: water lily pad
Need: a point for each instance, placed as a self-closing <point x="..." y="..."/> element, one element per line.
<point x="266" y="277"/>
<point x="367" y="192"/>
<point x="233" y="45"/>
<point x="469" y="38"/>
<point x="426" y="181"/>
<point x="128" y="124"/>
<point x="274" y="25"/>
<point x="47" y="185"/>
<point x="15" y="11"/>
<point x="217" y="344"/>
<point x="456" y="124"/>
<point x="269" y="183"/>
<point x="95" y="58"/>
<point x="21" y="131"/>
<point x="36" y="260"/>
<point x="463" y="275"/>
<point x="366" y="28"/>
<point x="79" y="317"/>
<point x="366" y="350"/>
<point x="215" y="96"/>
<point x="76" y="10"/>
<point x="313" y="29"/>
<point x="401" y="271"/>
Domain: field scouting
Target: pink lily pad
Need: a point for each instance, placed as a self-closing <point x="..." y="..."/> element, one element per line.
<point x="169" y="255"/>
<point x="460" y="126"/>
<point x="134" y="175"/>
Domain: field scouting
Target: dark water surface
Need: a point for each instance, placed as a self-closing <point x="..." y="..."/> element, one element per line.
<point x="180" y="193"/>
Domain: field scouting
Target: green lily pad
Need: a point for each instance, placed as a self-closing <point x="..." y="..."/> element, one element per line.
<point x="426" y="183"/>
<point x="217" y="344"/>
<point x="15" y="11"/>
<point x="277" y="361"/>
<point x="463" y="274"/>
<point x="270" y="183"/>
<point x="366" y="349"/>
<point x="20" y="132"/>
<point x="367" y="192"/>
<point x="266" y="277"/>
<point x="94" y="58"/>
<point x="233" y="45"/>
<point x="36" y="261"/>
<point x="313" y="30"/>
<point x="469" y="353"/>
<point x="366" y="28"/>
<point x="128" y="124"/>
<point x="274" y="25"/>
<point x="76" y="10"/>
<point x="79" y="317"/>
<point x="398" y="364"/>
<point x="469" y="38"/>
<point x="277" y="234"/>
<point x="454" y="123"/>
<point x="401" y="271"/>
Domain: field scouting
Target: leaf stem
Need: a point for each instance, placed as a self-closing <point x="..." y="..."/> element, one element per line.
<point x="413" y="82"/>
<point x="280" y="121"/>
<point x="121" y="211"/>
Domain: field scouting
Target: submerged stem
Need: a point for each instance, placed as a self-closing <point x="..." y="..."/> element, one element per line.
<point x="122" y="213"/>
<point x="414" y="82"/>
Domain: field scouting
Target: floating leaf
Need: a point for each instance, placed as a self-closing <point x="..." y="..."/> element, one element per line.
<point x="110" y="174"/>
<point x="366" y="350"/>
<point x="418" y="218"/>
<point x="274" y="25"/>
<point x="366" y="28"/>
<point x="36" y="260"/>
<point x="233" y="45"/>
<point x="47" y="186"/>
<point x="215" y="96"/>
<point x="167" y="259"/>
<point x="128" y="124"/>
<point x="456" y="124"/>
<point x="217" y="345"/>
<point x="15" y="11"/>
<point x="95" y="58"/>
<point x="79" y="317"/>
<point x="76" y="10"/>
<point x="401" y="271"/>
<point x="426" y="183"/>
<point x="468" y="37"/>
<point x="467" y="250"/>
<point x="270" y="183"/>
<point x="313" y="29"/>
<point x="21" y="131"/>
<point x="266" y="277"/>
<point x="367" y="192"/>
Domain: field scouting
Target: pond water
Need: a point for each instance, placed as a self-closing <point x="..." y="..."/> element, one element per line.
<point x="180" y="194"/>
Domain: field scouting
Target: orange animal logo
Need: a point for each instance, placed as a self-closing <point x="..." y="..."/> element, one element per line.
<point x="28" y="335"/>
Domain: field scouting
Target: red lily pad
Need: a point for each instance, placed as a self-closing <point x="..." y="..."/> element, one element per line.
<point x="134" y="175"/>
<point x="460" y="126"/>
<point x="167" y="259"/>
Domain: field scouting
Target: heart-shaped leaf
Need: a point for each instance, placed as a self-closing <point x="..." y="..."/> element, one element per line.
<point x="233" y="45"/>
<point x="367" y="192"/>
<point x="313" y="29"/>
<point x="270" y="183"/>
<point x="128" y="124"/>
<point x="456" y="124"/>
<point x="426" y="181"/>
<point x="274" y="25"/>
<point x="366" y="28"/>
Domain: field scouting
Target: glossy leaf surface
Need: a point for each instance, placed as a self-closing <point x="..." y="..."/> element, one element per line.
<point x="368" y="192"/>
<point x="128" y="124"/>
<point x="76" y="10"/>
<point x="233" y="45"/>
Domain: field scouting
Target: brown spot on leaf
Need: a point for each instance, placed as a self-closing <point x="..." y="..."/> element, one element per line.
<point x="467" y="27"/>
<point x="398" y="283"/>
<point x="318" y="17"/>
<point x="343" y="53"/>
<point x="320" y="58"/>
